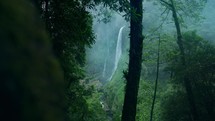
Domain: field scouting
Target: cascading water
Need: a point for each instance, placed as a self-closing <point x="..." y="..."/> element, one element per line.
<point x="105" y="65"/>
<point x="118" y="52"/>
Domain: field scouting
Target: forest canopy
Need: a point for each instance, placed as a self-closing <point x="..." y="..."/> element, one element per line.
<point x="107" y="60"/>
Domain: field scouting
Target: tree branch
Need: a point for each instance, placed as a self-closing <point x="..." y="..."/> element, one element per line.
<point x="156" y="29"/>
<point x="165" y="2"/>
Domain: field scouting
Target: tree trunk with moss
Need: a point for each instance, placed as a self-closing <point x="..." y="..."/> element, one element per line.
<point x="135" y="59"/>
<point x="186" y="80"/>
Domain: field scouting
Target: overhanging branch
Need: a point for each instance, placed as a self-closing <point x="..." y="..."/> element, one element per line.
<point x="165" y="2"/>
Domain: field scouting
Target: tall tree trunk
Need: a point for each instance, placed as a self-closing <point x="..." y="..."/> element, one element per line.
<point x="135" y="60"/>
<point x="156" y="80"/>
<point x="187" y="82"/>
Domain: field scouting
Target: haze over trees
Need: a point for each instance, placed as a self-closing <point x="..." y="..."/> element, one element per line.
<point x="107" y="60"/>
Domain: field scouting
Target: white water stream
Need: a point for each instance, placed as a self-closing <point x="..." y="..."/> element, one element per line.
<point x="118" y="52"/>
<point x="105" y="65"/>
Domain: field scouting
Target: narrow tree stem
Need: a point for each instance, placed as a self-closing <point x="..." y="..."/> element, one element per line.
<point x="156" y="80"/>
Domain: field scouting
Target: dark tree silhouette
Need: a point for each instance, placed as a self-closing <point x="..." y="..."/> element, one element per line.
<point x="187" y="83"/>
<point x="135" y="59"/>
<point x="156" y="80"/>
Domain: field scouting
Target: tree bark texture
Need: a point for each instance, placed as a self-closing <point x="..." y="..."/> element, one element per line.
<point x="187" y="82"/>
<point x="135" y="60"/>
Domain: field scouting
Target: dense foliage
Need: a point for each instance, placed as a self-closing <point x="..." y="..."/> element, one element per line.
<point x="200" y="69"/>
<point x="31" y="77"/>
<point x="70" y="28"/>
<point x="43" y="53"/>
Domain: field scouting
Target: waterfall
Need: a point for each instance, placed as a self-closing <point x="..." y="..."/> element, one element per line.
<point x="104" y="68"/>
<point x="118" y="52"/>
<point x="105" y="65"/>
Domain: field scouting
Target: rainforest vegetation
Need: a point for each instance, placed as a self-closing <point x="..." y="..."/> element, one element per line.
<point x="107" y="60"/>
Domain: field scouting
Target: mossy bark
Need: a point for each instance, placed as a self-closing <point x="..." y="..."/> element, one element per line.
<point x="135" y="60"/>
